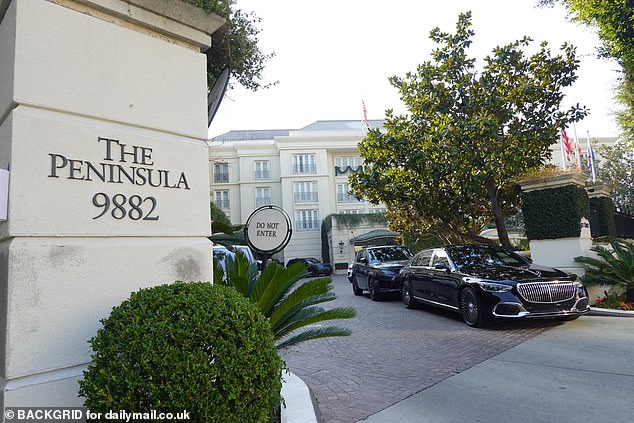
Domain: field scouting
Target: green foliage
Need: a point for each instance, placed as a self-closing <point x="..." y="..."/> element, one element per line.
<point x="616" y="169"/>
<point x="614" y="267"/>
<point x="555" y="212"/>
<point x="222" y="231"/>
<point x="186" y="346"/>
<point x="345" y="220"/>
<point x="614" y="22"/>
<point x="615" y="300"/>
<point x="448" y="165"/>
<point x="288" y="305"/>
<point x="235" y="45"/>
<point x="605" y="208"/>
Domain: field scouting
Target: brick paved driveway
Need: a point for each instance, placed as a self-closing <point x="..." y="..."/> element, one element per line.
<point x="393" y="353"/>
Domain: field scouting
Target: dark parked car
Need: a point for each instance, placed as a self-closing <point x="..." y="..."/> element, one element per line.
<point x="376" y="269"/>
<point x="313" y="266"/>
<point x="483" y="282"/>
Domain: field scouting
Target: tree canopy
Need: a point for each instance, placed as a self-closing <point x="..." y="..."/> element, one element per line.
<point x="235" y="45"/>
<point x="449" y="164"/>
<point x="614" y="21"/>
<point x="616" y="168"/>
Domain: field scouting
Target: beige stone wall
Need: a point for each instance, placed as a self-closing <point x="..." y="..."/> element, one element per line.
<point x="101" y="103"/>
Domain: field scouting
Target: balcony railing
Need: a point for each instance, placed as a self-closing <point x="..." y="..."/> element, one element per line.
<point x="262" y="201"/>
<point x="310" y="168"/>
<point x="306" y="197"/>
<point x="307" y="225"/>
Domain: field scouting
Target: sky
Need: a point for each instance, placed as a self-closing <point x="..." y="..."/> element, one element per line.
<point x="331" y="55"/>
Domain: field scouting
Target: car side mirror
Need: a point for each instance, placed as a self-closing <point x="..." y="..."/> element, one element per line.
<point x="441" y="265"/>
<point x="362" y="260"/>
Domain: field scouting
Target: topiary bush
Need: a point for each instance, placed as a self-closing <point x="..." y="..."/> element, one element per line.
<point x="555" y="212"/>
<point x="193" y="347"/>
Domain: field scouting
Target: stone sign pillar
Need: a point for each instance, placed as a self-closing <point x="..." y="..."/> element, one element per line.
<point x="103" y="123"/>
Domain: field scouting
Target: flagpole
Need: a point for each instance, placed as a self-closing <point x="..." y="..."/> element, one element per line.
<point x="365" y="124"/>
<point x="561" y="146"/>
<point x="590" y="151"/>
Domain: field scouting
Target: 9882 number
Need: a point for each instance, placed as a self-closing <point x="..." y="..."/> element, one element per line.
<point x="120" y="206"/>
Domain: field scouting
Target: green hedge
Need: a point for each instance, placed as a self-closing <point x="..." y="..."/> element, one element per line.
<point x="605" y="209"/>
<point x="194" y="347"/>
<point x="555" y="212"/>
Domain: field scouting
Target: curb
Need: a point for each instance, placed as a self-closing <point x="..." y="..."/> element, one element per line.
<point x="606" y="312"/>
<point x="298" y="406"/>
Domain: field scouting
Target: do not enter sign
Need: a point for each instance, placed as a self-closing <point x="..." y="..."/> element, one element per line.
<point x="268" y="230"/>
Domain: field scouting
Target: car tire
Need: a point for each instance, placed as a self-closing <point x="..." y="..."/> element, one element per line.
<point x="406" y="296"/>
<point x="471" y="308"/>
<point x="355" y="288"/>
<point x="374" y="295"/>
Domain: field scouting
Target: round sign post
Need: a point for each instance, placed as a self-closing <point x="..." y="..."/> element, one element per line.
<point x="268" y="230"/>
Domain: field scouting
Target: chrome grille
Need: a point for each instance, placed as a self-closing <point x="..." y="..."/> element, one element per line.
<point x="544" y="292"/>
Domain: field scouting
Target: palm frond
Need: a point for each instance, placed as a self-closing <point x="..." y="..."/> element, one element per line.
<point x="309" y="334"/>
<point x="614" y="267"/>
<point x="309" y="293"/>
<point x="311" y="315"/>
<point x="274" y="283"/>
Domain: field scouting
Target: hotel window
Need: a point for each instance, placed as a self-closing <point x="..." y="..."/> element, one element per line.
<point x="305" y="192"/>
<point x="221" y="172"/>
<point x="262" y="170"/>
<point x="304" y="163"/>
<point x="262" y="196"/>
<point x="343" y="194"/>
<point x="307" y="220"/>
<point x="221" y="199"/>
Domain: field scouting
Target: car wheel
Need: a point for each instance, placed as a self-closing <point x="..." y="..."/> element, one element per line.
<point x="374" y="295"/>
<point x="406" y="296"/>
<point x="355" y="288"/>
<point x="471" y="308"/>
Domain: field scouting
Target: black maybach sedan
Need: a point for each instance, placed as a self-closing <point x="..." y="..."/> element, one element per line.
<point x="483" y="282"/>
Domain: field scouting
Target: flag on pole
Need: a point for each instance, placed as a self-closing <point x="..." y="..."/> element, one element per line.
<point x="566" y="149"/>
<point x="591" y="158"/>
<point x="366" y="124"/>
<point x="577" y="149"/>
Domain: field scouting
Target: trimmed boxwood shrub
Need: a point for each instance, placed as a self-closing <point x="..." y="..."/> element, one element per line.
<point x="605" y="210"/>
<point x="197" y="347"/>
<point x="555" y="212"/>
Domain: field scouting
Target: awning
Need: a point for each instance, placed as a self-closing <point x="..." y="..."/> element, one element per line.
<point x="375" y="237"/>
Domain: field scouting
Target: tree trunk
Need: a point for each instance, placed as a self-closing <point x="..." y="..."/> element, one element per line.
<point x="494" y="194"/>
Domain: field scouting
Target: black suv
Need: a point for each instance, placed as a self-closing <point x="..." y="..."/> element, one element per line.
<point x="376" y="269"/>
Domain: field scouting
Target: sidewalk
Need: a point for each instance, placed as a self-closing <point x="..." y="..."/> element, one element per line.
<point x="580" y="371"/>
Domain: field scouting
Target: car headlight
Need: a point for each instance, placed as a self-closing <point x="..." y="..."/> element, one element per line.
<point x="494" y="287"/>
<point x="581" y="290"/>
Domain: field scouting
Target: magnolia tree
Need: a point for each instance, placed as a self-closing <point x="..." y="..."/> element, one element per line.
<point x="449" y="164"/>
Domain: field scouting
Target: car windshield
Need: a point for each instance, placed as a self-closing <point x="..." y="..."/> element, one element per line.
<point x="311" y="260"/>
<point x="387" y="254"/>
<point x="468" y="256"/>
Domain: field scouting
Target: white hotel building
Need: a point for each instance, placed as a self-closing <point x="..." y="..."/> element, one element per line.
<point x="303" y="171"/>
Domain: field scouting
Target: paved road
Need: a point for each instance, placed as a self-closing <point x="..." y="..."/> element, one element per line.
<point x="394" y="353"/>
<point x="578" y="372"/>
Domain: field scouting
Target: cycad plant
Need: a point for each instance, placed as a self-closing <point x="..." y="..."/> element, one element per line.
<point x="615" y="267"/>
<point x="288" y="305"/>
